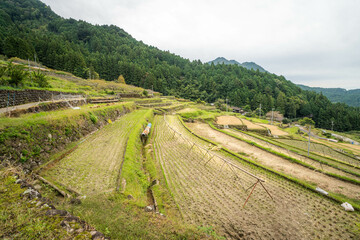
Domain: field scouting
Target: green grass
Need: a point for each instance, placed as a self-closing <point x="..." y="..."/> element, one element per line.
<point x="67" y="82"/>
<point x="293" y="131"/>
<point x="35" y="136"/>
<point x="119" y="218"/>
<point x="255" y="120"/>
<point x="196" y="113"/>
<point x="132" y="170"/>
<point x="21" y="219"/>
<point x="58" y="115"/>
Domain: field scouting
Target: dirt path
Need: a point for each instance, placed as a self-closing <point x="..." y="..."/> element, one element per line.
<point x="210" y="194"/>
<point x="93" y="167"/>
<point x="277" y="163"/>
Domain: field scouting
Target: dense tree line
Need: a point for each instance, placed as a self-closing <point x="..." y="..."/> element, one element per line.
<point x="29" y="29"/>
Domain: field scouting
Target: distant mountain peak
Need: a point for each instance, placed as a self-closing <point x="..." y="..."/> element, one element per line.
<point x="248" y="65"/>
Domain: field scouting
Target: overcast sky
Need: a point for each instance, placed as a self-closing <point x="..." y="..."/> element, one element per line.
<point x="316" y="43"/>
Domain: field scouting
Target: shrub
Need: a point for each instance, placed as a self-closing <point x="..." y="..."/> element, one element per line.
<point x="16" y="74"/>
<point x="285" y="121"/>
<point x="93" y="118"/>
<point x="2" y="71"/>
<point x="40" y="79"/>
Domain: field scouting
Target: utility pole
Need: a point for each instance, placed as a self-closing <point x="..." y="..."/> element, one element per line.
<point x="332" y="125"/>
<point x="309" y="141"/>
<point x="272" y="116"/>
<point x="260" y="111"/>
<point x="30" y="71"/>
<point x="226" y="104"/>
<point x="152" y="89"/>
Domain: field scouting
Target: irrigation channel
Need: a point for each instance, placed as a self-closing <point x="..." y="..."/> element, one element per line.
<point x="211" y="188"/>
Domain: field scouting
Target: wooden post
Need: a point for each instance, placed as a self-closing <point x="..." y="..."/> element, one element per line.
<point x="266" y="190"/>
<point x="209" y="160"/>
<point x="204" y="156"/>
<point x="190" y="149"/>
<point x="251" y="192"/>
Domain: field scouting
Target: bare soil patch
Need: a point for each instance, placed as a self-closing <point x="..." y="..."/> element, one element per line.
<point x="250" y="125"/>
<point x="274" y="130"/>
<point x="228" y="120"/>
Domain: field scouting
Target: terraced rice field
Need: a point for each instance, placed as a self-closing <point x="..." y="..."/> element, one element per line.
<point x="94" y="166"/>
<point x="341" y="161"/>
<point x="321" y="149"/>
<point x="299" y="157"/>
<point x="211" y="194"/>
<point x="355" y="149"/>
<point x="278" y="163"/>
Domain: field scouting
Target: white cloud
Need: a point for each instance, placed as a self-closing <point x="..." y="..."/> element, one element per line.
<point x="298" y="39"/>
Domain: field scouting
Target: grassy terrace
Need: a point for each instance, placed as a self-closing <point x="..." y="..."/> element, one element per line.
<point x="58" y="115"/>
<point x="67" y="82"/>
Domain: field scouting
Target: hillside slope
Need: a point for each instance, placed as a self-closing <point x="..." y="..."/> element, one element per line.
<point x="350" y="97"/>
<point x="29" y="28"/>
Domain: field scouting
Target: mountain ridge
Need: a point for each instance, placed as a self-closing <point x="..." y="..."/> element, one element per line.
<point x="247" y="65"/>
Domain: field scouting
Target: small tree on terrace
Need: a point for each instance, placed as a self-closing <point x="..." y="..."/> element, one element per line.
<point x="307" y="122"/>
<point x="40" y="79"/>
<point x="17" y="74"/>
<point x="121" y="79"/>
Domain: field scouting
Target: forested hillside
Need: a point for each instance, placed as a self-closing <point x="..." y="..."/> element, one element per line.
<point x="350" y="97"/>
<point x="29" y="29"/>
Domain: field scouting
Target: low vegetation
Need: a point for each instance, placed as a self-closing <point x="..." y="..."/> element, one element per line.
<point x="22" y="219"/>
<point x="32" y="138"/>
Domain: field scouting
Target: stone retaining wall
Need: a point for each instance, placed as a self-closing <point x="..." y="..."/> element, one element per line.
<point x="18" y="97"/>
